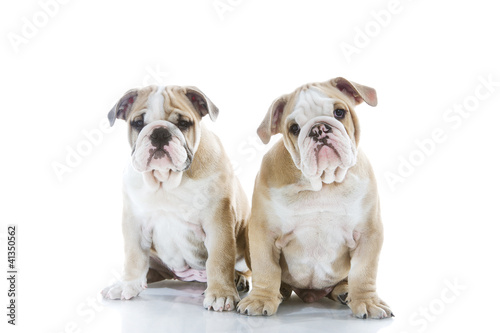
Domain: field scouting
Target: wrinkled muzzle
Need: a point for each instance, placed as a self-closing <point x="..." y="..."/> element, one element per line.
<point x="326" y="150"/>
<point x="161" y="146"/>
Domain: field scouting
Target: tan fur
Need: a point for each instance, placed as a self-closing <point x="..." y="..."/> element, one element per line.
<point x="355" y="262"/>
<point x="224" y="222"/>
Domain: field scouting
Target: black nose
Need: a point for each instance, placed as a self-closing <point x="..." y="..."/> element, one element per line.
<point x="160" y="137"/>
<point x="318" y="130"/>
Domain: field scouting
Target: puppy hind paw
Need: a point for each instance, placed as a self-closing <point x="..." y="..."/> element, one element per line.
<point x="285" y="291"/>
<point x="242" y="283"/>
<point x="343" y="298"/>
<point x="340" y="292"/>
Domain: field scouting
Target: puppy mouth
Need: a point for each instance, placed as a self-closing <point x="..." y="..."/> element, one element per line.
<point x="326" y="151"/>
<point x="324" y="143"/>
<point x="161" y="146"/>
<point x="161" y="153"/>
<point x="157" y="153"/>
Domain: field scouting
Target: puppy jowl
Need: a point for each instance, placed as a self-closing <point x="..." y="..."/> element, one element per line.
<point x="315" y="227"/>
<point x="185" y="212"/>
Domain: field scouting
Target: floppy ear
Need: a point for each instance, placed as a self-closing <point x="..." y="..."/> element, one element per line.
<point x="359" y="92"/>
<point x="202" y="103"/>
<point x="122" y="108"/>
<point x="271" y="123"/>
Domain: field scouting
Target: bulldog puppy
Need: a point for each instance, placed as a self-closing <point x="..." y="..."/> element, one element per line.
<point x="315" y="225"/>
<point x="184" y="211"/>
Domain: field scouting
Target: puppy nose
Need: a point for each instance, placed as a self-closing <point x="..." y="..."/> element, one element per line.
<point x="160" y="137"/>
<point x="319" y="129"/>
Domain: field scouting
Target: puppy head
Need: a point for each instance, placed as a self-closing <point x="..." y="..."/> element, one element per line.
<point x="319" y="127"/>
<point x="164" y="127"/>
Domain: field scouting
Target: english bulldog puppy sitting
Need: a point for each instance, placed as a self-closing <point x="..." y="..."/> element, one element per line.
<point x="184" y="212"/>
<point x="315" y="225"/>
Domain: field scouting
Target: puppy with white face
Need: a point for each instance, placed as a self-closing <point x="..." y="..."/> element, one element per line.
<point x="315" y="225"/>
<point x="184" y="211"/>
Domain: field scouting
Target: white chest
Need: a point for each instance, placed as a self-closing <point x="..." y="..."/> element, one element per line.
<point x="172" y="220"/>
<point x="314" y="228"/>
<point x="178" y="243"/>
<point x="332" y="206"/>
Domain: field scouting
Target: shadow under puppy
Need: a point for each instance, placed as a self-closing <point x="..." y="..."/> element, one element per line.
<point x="315" y="225"/>
<point x="184" y="211"/>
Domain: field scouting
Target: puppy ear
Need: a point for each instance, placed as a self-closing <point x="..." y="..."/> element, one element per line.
<point x="122" y="108"/>
<point x="357" y="91"/>
<point x="202" y="103"/>
<point x="271" y="123"/>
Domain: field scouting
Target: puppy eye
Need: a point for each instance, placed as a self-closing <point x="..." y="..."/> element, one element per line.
<point x="137" y="124"/>
<point x="184" y="125"/>
<point x="295" y="129"/>
<point x="339" y="113"/>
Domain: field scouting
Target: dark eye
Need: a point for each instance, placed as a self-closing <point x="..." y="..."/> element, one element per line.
<point x="184" y="125"/>
<point x="295" y="129"/>
<point x="137" y="124"/>
<point x="339" y="113"/>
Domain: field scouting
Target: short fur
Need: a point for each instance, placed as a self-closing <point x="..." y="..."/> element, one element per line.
<point x="313" y="236"/>
<point x="181" y="224"/>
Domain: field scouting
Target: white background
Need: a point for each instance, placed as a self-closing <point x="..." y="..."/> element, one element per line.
<point x="441" y="219"/>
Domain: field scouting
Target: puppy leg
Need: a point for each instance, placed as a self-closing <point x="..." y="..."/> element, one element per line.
<point x="242" y="273"/>
<point x="136" y="262"/>
<point x="362" y="297"/>
<point x="220" y="241"/>
<point x="266" y="273"/>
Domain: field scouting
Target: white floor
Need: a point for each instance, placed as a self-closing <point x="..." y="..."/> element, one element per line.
<point x="173" y="306"/>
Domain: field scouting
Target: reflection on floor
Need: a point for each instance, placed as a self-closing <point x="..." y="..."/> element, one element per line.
<point x="174" y="306"/>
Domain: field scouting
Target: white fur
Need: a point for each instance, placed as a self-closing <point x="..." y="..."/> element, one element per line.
<point x="311" y="103"/>
<point x="314" y="226"/>
<point x="167" y="209"/>
<point x="176" y="148"/>
<point x="155" y="105"/>
<point x="172" y="220"/>
<point x="125" y="290"/>
<point x="314" y="106"/>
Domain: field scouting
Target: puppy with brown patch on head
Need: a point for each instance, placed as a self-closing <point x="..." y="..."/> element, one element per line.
<point x="315" y="225"/>
<point x="184" y="211"/>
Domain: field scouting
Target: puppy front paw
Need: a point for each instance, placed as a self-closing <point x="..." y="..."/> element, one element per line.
<point x="124" y="290"/>
<point x="220" y="300"/>
<point x="372" y="307"/>
<point x="258" y="305"/>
